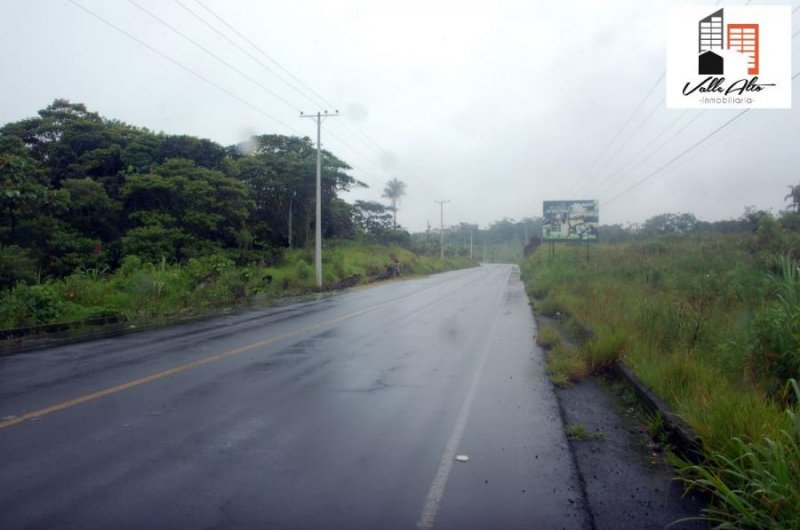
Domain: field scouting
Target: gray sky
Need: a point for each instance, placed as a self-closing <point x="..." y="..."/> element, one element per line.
<point x="495" y="106"/>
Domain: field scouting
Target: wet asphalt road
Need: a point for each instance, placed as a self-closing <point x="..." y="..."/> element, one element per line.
<point x="342" y="412"/>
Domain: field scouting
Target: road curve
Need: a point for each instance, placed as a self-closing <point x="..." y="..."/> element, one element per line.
<point x="344" y="411"/>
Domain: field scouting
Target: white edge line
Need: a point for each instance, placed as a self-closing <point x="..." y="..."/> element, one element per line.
<point x="436" y="491"/>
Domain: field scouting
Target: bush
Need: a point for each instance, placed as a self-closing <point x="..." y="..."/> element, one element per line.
<point x="775" y="331"/>
<point x="548" y="336"/>
<point x="602" y="352"/>
<point x="29" y="305"/>
<point x="565" y="365"/>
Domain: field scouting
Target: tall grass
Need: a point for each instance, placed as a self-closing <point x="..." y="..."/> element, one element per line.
<point x="711" y="327"/>
<point x="755" y="484"/>
<point x="145" y="291"/>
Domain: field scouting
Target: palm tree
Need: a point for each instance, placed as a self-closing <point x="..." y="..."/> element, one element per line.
<point x="393" y="191"/>
<point x="794" y="196"/>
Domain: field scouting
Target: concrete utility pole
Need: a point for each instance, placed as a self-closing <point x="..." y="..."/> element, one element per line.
<point x="441" y="228"/>
<point x="319" y="116"/>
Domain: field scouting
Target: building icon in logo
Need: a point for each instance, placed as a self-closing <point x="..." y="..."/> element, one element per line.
<point x="710" y="42"/>
<point x="742" y="38"/>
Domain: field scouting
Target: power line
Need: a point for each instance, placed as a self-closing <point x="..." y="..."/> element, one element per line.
<point x="679" y="156"/>
<point x="656" y="151"/>
<point x="182" y="66"/>
<point x="241" y="49"/>
<point x="683" y="128"/>
<point x="637" y="129"/>
<point x="361" y="136"/>
<point x="265" y="54"/>
<point x="610" y="180"/>
<point x="205" y="79"/>
<point x="354" y="149"/>
<point x="686" y="151"/>
<point x="589" y="173"/>
<point x="616" y="135"/>
<point x="212" y="54"/>
<point x="367" y="141"/>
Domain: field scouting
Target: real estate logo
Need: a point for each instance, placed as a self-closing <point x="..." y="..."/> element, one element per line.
<point x="730" y="57"/>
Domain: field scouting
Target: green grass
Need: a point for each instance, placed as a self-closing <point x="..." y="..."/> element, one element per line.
<point x="710" y="325"/>
<point x="579" y="432"/>
<point x="143" y="292"/>
<point x="755" y="484"/>
<point x="548" y="336"/>
<point x="565" y="365"/>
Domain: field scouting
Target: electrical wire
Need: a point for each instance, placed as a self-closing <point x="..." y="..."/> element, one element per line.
<point x="265" y="54"/>
<point x="602" y="153"/>
<point x="678" y="157"/>
<point x="244" y="51"/>
<point x="686" y="151"/>
<point x="214" y="55"/>
<point x="182" y="66"/>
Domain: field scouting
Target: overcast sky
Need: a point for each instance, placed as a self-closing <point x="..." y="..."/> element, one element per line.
<point x="494" y="106"/>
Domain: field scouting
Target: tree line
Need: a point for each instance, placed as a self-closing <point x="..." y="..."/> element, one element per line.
<point x="80" y="191"/>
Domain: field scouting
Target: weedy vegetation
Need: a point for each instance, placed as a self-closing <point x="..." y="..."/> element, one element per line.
<point x="578" y="432"/>
<point x="141" y="291"/>
<point x="711" y="323"/>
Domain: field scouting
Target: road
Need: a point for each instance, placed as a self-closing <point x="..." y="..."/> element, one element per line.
<point x="343" y="411"/>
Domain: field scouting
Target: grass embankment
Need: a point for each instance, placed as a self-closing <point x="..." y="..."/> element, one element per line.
<point x="143" y="292"/>
<point x="713" y="327"/>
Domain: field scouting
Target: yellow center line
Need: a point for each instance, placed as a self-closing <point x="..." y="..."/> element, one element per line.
<point x="194" y="364"/>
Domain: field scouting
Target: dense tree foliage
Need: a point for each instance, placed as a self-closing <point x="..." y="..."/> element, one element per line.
<point x="81" y="191"/>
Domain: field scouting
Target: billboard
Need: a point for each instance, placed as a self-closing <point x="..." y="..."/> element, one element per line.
<point x="570" y="221"/>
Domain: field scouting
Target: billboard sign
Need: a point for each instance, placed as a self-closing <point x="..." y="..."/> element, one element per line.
<point x="570" y="221"/>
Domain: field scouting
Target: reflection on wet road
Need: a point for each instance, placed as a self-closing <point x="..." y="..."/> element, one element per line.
<point x="345" y="411"/>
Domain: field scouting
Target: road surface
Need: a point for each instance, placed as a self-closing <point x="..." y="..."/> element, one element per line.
<point x="345" y="411"/>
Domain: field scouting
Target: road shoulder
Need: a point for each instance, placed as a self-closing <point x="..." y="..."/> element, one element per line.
<point x="626" y="480"/>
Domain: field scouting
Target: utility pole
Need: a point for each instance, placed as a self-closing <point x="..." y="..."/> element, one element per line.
<point x="291" y="201"/>
<point x="319" y="116"/>
<point x="441" y="228"/>
<point x="484" y="250"/>
<point x="470" y="245"/>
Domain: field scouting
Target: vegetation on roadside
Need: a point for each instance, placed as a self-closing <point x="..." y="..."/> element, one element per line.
<point x="142" y="291"/>
<point x="102" y="218"/>
<point x="578" y="432"/>
<point x="711" y="322"/>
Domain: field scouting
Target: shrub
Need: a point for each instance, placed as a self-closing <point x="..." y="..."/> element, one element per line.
<point x="28" y="305"/>
<point x="565" y="365"/>
<point x="548" y="336"/>
<point x="603" y="351"/>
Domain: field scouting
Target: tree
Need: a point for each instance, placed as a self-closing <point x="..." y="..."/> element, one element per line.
<point x="372" y="217"/>
<point x="183" y="210"/>
<point x="280" y="172"/>
<point x="393" y="191"/>
<point x="794" y="197"/>
<point x="669" y="223"/>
